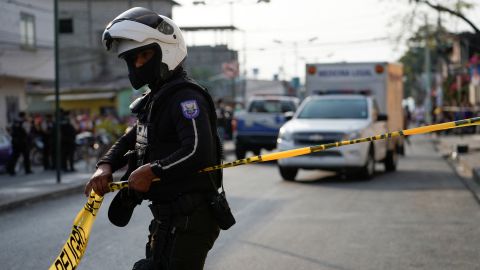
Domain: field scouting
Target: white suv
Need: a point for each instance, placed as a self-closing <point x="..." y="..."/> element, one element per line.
<point x="329" y="118"/>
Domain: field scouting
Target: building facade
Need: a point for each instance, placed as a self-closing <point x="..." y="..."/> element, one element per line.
<point x="207" y="65"/>
<point x="26" y="52"/>
<point x="92" y="81"/>
<point x="82" y="56"/>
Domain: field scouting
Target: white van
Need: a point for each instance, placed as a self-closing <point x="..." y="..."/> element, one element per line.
<point x="323" y="119"/>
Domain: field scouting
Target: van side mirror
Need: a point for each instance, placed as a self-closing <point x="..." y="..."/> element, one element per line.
<point x="288" y="116"/>
<point x="382" y="117"/>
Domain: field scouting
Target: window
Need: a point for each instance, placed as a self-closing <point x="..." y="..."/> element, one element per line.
<point x="27" y="30"/>
<point x="335" y="109"/>
<point x="272" y="106"/>
<point x="65" y="26"/>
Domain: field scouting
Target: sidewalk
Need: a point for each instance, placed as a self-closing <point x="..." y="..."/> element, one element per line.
<point x="466" y="165"/>
<point x="447" y="146"/>
<point x="24" y="189"/>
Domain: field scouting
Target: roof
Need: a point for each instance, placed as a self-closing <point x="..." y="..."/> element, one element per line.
<point x="105" y="86"/>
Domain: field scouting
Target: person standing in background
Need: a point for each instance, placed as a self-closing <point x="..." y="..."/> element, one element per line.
<point x="48" y="128"/>
<point x="20" y="145"/>
<point x="67" y="137"/>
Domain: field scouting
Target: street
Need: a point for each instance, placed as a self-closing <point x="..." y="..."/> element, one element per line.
<point x="420" y="217"/>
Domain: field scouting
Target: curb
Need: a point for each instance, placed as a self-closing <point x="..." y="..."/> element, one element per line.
<point x="476" y="175"/>
<point x="57" y="193"/>
<point x="40" y="197"/>
<point x="471" y="183"/>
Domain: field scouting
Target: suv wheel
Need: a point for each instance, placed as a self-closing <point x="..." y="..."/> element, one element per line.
<point x="288" y="174"/>
<point x="368" y="169"/>
<point x="391" y="161"/>
<point x="240" y="151"/>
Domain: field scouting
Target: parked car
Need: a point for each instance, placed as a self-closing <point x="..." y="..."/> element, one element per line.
<point x="329" y="118"/>
<point x="5" y="150"/>
<point x="257" y="127"/>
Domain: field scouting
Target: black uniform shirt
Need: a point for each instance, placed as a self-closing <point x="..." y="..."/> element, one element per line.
<point x="180" y="144"/>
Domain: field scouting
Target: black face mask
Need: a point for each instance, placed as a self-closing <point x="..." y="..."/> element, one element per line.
<point x="153" y="72"/>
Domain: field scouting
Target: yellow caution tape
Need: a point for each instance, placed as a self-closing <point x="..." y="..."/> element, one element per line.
<point x="76" y="245"/>
<point x="318" y="148"/>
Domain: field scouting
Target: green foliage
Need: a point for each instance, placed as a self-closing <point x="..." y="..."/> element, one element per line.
<point x="412" y="62"/>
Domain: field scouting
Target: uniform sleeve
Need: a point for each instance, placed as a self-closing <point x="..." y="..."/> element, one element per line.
<point x="116" y="154"/>
<point x="190" y="113"/>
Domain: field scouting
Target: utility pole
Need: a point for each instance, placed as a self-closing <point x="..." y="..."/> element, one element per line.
<point x="57" y="94"/>
<point x="232" y="53"/>
<point x="428" y="100"/>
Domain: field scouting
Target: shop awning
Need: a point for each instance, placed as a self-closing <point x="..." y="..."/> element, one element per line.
<point x="82" y="96"/>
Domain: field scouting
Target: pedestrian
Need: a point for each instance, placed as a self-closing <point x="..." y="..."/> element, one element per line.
<point x="407" y="118"/>
<point x="48" y="129"/>
<point x="67" y="140"/>
<point x="174" y="137"/>
<point x="220" y="111"/>
<point x="20" y="145"/>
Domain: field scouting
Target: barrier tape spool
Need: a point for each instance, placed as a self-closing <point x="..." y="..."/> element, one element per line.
<point x="76" y="244"/>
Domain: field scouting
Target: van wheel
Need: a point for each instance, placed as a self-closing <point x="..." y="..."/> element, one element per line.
<point x="288" y="174"/>
<point x="368" y="170"/>
<point x="391" y="161"/>
<point x="240" y="151"/>
<point x="256" y="151"/>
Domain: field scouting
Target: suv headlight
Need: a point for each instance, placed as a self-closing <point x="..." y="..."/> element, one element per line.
<point x="352" y="135"/>
<point x="284" y="135"/>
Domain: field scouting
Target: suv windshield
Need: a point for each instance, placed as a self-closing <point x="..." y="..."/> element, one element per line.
<point x="272" y="106"/>
<point x="335" y="109"/>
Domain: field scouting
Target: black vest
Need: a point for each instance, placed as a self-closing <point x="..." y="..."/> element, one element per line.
<point x="145" y="143"/>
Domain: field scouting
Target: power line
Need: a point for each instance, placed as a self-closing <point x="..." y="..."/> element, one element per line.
<point x="314" y="45"/>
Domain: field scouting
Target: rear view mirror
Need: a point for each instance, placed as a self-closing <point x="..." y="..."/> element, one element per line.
<point x="288" y="116"/>
<point x="382" y="117"/>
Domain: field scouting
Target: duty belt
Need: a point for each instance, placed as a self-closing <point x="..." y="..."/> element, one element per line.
<point x="185" y="205"/>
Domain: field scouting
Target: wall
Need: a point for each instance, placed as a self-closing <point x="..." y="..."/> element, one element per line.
<point x="11" y="87"/>
<point x="16" y="61"/>
<point x="82" y="55"/>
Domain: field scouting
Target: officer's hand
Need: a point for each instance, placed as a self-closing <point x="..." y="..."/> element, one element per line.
<point x="99" y="180"/>
<point x="141" y="179"/>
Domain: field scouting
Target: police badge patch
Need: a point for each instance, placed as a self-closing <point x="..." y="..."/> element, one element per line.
<point x="190" y="109"/>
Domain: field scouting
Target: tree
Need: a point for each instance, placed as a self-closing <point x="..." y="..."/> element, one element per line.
<point x="413" y="33"/>
<point x="459" y="6"/>
<point x="410" y="21"/>
<point x="413" y="58"/>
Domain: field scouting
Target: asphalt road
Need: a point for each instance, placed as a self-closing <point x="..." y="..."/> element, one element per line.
<point x="420" y="217"/>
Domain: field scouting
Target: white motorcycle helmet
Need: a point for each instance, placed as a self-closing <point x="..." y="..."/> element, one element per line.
<point x="138" y="29"/>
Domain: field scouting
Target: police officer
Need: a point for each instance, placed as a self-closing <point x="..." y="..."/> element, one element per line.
<point x="20" y="145"/>
<point x="175" y="137"/>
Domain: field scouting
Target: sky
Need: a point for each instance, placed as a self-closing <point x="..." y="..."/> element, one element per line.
<point x="280" y="37"/>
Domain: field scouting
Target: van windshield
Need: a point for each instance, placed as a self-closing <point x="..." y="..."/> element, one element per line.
<point x="335" y="109"/>
<point x="272" y="106"/>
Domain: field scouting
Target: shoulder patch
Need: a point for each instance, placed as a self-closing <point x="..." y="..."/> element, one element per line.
<point x="190" y="109"/>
